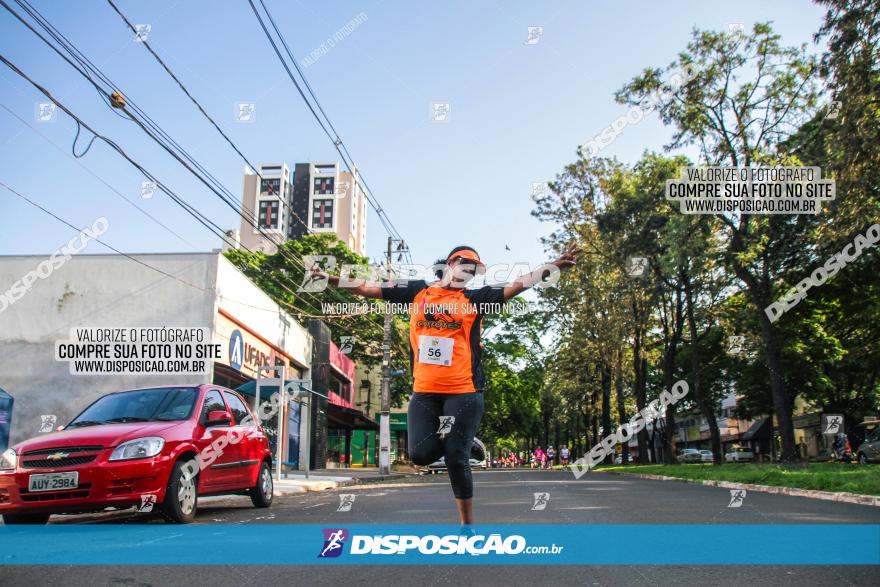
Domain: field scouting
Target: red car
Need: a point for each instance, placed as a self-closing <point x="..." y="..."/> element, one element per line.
<point x="165" y="446"/>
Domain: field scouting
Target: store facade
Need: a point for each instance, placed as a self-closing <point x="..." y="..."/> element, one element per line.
<point x="111" y="291"/>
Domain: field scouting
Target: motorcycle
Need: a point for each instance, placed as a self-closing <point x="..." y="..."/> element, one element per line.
<point x="842" y="451"/>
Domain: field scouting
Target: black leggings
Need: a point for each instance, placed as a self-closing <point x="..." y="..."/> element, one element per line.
<point x="425" y="444"/>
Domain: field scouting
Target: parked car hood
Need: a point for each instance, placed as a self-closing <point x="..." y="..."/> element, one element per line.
<point x="106" y="435"/>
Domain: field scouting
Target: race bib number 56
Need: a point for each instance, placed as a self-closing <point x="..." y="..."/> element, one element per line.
<point x="435" y="350"/>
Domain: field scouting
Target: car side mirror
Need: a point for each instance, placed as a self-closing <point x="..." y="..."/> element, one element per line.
<point x="219" y="418"/>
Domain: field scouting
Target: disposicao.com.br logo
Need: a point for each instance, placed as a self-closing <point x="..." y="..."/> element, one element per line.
<point x="431" y="544"/>
<point x="334" y="541"/>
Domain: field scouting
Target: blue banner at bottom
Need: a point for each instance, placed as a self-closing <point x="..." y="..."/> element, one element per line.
<point x="528" y="544"/>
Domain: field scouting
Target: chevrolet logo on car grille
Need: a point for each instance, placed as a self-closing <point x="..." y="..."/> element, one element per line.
<point x="57" y="456"/>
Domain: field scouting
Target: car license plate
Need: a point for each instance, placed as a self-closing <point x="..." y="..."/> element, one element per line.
<point x="53" y="481"/>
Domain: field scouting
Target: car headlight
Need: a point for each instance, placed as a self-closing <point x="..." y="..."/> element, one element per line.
<point x="139" y="448"/>
<point x="8" y="460"/>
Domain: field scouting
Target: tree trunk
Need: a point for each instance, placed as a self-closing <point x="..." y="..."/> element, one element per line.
<point x="761" y="294"/>
<point x="706" y="407"/>
<point x="594" y="431"/>
<point x="669" y="356"/>
<point x="782" y="403"/>
<point x="621" y="408"/>
<point x="640" y="389"/>
<point x="606" y="403"/>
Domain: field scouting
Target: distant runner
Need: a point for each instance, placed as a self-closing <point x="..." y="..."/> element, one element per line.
<point x="540" y="457"/>
<point x="563" y="455"/>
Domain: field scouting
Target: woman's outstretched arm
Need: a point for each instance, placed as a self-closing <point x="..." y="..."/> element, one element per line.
<point x="566" y="260"/>
<point x="362" y="289"/>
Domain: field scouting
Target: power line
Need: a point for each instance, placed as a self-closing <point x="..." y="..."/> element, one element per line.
<point x="201" y="218"/>
<point x="190" y="209"/>
<point x="111" y="247"/>
<point x="203" y="111"/>
<point x="217" y="127"/>
<point x="334" y="137"/>
<point x="117" y="101"/>
<point x="86" y="64"/>
<point x="212" y="291"/>
<point x="227" y="198"/>
<point x="98" y="177"/>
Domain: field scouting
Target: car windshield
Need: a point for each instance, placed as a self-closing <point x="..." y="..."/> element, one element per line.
<point x="139" y="405"/>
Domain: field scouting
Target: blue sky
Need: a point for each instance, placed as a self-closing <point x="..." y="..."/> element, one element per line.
<point x="518" y="111"/>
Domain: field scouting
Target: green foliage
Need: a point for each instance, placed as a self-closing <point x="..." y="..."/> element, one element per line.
<point x="747" y="100"/>
<point x="513" y="363"/>
<point x="280" y="276"/>
<point x="864" y="480"/>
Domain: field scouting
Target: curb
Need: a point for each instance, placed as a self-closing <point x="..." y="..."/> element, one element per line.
<point x="309" y="486"/>
<point x="838" y="496"/>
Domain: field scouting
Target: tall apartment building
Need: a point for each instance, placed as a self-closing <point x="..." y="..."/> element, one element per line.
<point x="320" y="197"/>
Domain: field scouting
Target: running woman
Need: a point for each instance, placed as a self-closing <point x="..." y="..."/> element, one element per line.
<point x="445" y="355"/>
<point x="540" y="457"/>
<point x="563" y="455"/>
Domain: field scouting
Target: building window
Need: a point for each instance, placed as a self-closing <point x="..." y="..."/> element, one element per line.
<point x="322" y="214"/>
<point x="268" y="216"/>
<point x="271" y="186"/>
<point x="324" y="185"/>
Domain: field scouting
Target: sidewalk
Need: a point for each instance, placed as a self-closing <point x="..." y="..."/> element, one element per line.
<point x="838" y="496"/>
<point x="322" y="479"/>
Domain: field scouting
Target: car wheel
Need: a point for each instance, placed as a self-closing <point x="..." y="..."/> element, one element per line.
<point x="863" y="460"/>
<point x="38" y="519"/>
<point x="181" y="495"/>
<point x="263" y="491"/>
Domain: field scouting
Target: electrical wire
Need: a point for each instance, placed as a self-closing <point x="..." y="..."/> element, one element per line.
<point x="98" y="240"/>
<point x="334" y="137"/>
<point x="204" y="112"/>
<point x="201" y="218"/>
<point x="85" y="64"/>
<point x="96" y="176"/>
<point x="152" y="131"/>
<point x="212" y="291"/>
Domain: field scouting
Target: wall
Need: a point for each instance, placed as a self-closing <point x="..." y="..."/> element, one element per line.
<point x="251" y="239"/>
<point x="92" y="290"/>
<point x="243" y="300"/>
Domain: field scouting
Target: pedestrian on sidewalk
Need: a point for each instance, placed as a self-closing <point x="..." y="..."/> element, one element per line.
<point x="446" y="357"/>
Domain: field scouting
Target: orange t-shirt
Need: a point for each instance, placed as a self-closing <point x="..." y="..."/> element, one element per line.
<point x="444" y="332"/>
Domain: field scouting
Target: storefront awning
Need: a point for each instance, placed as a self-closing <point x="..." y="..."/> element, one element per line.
<point x="758" y="429"/>
<point x="250" y="389"/>
<point x="348" y="418"/>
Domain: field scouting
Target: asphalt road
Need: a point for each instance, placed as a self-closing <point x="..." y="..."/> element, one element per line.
<point x="503" y="497"/>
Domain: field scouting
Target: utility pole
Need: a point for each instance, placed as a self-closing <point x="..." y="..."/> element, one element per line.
<point x="385" y="407"/>
<point x="385" y="399"/>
